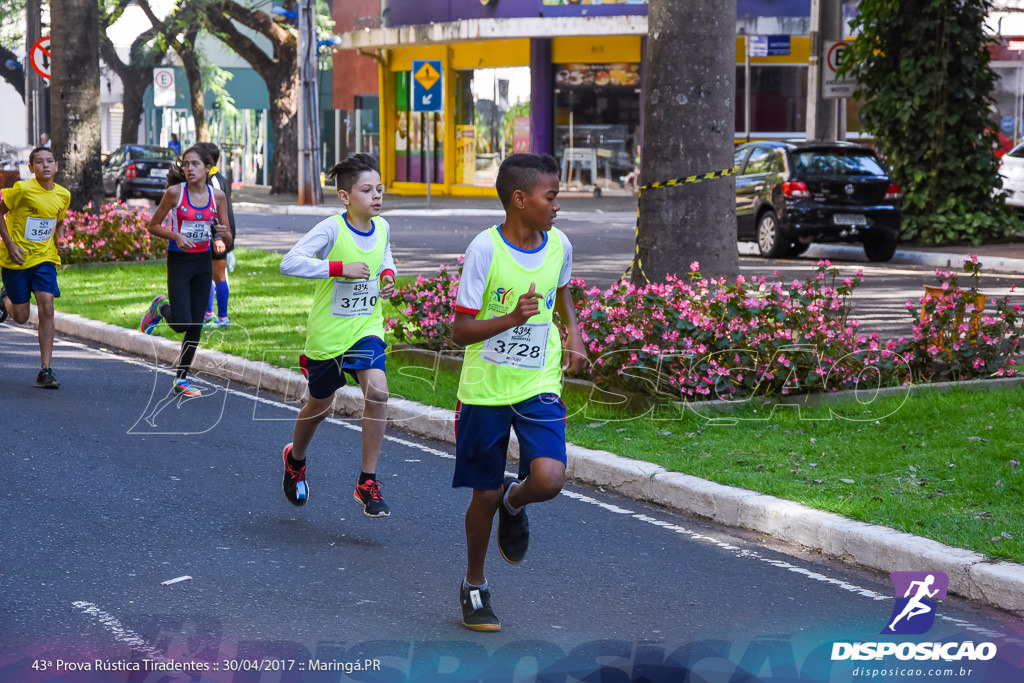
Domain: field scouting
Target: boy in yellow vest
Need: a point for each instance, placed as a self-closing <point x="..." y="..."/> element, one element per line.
<point x="32" y="231"/>
<point x="514" y="277"/>
<point x="350" y="257"/>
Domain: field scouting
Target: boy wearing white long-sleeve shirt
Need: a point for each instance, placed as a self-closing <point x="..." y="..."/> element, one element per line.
<point x="350" y="256"/>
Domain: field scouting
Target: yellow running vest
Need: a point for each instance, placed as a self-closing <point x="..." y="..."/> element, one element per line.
<point x="344" y="311"/>
<point x="525" y="361"/>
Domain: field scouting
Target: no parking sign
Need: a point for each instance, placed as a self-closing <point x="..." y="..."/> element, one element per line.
<point x="163" y="87"/>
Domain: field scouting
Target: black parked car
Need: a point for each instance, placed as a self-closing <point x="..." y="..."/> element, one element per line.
<point x="790" y="194"/>
<point x="137" y="170"/>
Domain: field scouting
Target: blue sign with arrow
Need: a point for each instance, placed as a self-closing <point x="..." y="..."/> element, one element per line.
<point x="427" y="86"/>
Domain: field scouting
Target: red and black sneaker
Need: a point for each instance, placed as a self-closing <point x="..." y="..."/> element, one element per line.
<point x="295" y="488"/>
<point x="368" y="495"/>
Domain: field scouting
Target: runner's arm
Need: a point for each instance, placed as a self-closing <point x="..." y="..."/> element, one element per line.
<point x="308" y="258"/>
<point x="223" y="229"/>
<point x="13" y="250"/>
<point x="575" y="357"/>
<point x="156" y="227"/>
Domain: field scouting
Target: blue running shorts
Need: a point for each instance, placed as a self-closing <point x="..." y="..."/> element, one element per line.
<point x="327" y="376"/>
<point x="20" y="283"/>
<point x="482" y="434"/>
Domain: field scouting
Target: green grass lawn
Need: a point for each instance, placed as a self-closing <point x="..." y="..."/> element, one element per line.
<point x="944" y="466"/>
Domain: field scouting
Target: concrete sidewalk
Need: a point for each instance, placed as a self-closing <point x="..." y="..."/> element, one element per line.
<point x="997" y="584"/>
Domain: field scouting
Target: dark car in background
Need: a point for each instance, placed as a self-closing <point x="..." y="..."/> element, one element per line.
<point x="137" y="171"/>
<point x="790" y="194"/>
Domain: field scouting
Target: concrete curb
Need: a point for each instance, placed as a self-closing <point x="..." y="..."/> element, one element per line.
<point x="944" y="260"/>
<point x="998" y="584"/>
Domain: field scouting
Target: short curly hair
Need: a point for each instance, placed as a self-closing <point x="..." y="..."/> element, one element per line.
<point x="522" y="172"/>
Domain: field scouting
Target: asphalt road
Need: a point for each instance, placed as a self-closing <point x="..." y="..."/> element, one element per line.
<point x="111" y="490"/>
<point x="603" y="245"/>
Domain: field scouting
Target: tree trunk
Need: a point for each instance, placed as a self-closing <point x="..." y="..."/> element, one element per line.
<point x="134" y="91"/>
<point x="75" y="93"/>
<point x="689" y="130"/>
<point x="284" y="103"/>
<point x="281" y="74"/>
<point x="190" y="61"/>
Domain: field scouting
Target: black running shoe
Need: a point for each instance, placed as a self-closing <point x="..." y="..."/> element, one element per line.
<point x="513" y="530"/>
<point x="477" y="614"/>
<point x="295" y="488"/>
<point x="368" y="495"/>
<point x="46" y="380"/>
<point x="3" y="309"/>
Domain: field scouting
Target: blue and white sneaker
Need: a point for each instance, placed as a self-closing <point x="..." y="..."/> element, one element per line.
<point x="182" y="387"/>
<point x="152" y="317"/>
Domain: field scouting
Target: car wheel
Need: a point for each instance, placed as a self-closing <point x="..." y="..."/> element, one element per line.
<point x="770" y="240"/>
<point x="880" y="248"/>
<point x="119" y="193"/>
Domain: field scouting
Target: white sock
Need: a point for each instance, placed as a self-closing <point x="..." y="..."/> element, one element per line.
<point x="466" y="585"/>
<point x="508" y="505"/>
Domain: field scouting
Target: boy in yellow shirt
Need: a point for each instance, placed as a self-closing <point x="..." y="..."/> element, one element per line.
<point x="32" y="231"/>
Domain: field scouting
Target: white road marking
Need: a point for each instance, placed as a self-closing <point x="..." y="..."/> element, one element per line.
<point x="135" y="640"/>
<point x="120" y="632"/>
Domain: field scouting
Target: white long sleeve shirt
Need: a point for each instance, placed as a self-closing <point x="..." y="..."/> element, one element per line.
<point x="308" y="258"/>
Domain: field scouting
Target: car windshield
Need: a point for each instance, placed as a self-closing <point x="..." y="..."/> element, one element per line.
<point x="1017" y="152"/>
<point x="831" y="162"/>
<point x="152" y="153"/>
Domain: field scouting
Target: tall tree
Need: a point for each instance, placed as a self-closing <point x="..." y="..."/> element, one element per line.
<point x="12" y="18"/>
<point x="136" y="74"/>
<point x="279" y="70"/>
<point x="689" y="130"/>
<point x="75" y="97"/>
<point x="924" y="73"/>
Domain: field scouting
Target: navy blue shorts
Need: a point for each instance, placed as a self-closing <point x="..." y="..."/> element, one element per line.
<point x="482" y="434"/>
<point x="21" y="283"/>
<point x="327" y="376"/>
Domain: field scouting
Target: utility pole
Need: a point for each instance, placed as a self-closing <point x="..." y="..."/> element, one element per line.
<point x="37" y="119"/>
<point x="823" y="115"/>
<point x="310" y="190"/>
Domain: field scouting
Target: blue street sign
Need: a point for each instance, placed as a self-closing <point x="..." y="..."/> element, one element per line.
<point x="769" y="46"/>
<point x="427" y="86"/>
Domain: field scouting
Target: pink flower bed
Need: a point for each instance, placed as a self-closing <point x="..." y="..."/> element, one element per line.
<point x="702" y="338"/>
<point x="114" y="232"/>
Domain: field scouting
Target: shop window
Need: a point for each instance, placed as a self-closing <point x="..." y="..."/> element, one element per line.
<point x="1008" y="116"/>
<point x="492" y="120"/>
<point x="778" y="100"/>
<point x="597" y="123"/>
<point x="413" y="150"/>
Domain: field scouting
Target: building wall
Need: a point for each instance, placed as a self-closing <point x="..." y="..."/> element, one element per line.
<point x="414" y="12"/>
<point x="354" y="73"/>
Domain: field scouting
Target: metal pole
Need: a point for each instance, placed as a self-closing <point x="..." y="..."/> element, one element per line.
<point x="33" y="82"/>
<point x="310" y="190"/>
<point x="822" y="114"/>
<point x="430" y="160"/>
<point x="746" y="86"/>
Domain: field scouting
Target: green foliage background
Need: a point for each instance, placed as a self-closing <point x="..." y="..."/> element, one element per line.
<point x="925" y="76"/>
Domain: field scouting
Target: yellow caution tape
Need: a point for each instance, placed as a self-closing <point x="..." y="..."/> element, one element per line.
<point x="675" y="182"/>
